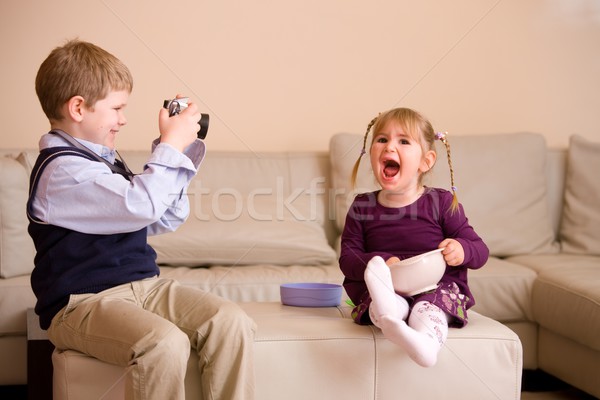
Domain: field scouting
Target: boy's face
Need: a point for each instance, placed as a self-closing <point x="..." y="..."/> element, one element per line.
<point x="102" y="122"/>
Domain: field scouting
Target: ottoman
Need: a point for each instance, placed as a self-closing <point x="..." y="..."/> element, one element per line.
<point x="320" y="353"/>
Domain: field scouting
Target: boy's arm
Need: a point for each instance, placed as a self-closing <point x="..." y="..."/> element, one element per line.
<point x="86" y="196"/>
<point x="178" y="210"/>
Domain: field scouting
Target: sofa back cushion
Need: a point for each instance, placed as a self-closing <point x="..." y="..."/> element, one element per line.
<point x="249" y="208"/>
<point x="246" y="208"/>
<point x="16" y="247"/>
<point x="501" y="181"/>
<point x="580" y="226"/>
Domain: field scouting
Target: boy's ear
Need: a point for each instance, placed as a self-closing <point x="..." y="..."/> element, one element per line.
<point x="75" y="108"/>
<point x="428" y="161"/>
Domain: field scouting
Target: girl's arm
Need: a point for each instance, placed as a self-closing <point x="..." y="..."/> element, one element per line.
<point x="353" y="255"/>
<point x="475" y="252"/>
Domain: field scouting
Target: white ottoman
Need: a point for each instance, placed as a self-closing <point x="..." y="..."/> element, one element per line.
<point x="320" y="353"/>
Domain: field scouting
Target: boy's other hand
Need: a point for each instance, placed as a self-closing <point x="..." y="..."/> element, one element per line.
<point x="180" y="130"/>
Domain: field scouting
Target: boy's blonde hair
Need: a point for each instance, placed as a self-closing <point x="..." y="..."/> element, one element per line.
<point x="419" y="128"/>
<point x="79" y="69"/>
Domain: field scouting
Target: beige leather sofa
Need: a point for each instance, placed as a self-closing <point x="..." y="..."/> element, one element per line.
<point x="320" y="353"/>
<point x="259" y="220"/>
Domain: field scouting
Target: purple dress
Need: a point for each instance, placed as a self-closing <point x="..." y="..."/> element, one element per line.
<point x="375" y="230"/>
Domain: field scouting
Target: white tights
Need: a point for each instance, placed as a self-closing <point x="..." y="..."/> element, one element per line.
<point x="427" y="328"/>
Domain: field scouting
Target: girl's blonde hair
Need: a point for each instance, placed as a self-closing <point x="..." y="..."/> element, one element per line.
<point x="418" y="127"/>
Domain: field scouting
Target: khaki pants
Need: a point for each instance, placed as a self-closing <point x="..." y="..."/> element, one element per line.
<point x="149" y="327"/>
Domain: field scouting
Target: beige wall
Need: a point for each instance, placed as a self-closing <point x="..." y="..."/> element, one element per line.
<point x="286" y="75"/>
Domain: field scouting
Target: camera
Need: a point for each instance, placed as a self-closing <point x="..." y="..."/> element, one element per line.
<point x="175" y="106"/>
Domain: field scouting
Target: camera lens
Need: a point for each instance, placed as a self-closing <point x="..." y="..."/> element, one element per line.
<point x="204" y="120"/>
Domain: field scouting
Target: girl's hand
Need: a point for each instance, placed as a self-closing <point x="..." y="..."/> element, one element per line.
<point x="454" y="254"/>
<point x="392" y="260"/>
<point x="179" y="130"/>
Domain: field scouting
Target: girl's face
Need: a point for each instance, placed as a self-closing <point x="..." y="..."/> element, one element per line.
<point x="397" y="160"/>
<point x="102" y="122"/>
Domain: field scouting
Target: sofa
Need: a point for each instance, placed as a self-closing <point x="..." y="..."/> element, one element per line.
<point x="258" y="220"/>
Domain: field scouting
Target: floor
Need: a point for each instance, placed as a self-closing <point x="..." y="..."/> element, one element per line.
<point x="20" y="393"/>
<point x="567" y="394"/>
<point x="536" y="386"/>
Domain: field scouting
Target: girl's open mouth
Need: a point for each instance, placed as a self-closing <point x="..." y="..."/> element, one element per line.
<point x="390" y="168"/>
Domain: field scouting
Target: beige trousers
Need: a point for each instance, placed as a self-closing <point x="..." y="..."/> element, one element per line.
<point x="149" y="327"/>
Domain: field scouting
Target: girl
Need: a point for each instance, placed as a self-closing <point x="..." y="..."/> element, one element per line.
<point x="404" y="219"/>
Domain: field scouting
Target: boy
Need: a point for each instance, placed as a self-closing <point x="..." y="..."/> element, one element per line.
<point x="95" y="277"/>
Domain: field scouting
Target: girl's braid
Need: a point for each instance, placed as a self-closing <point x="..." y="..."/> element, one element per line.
<point x="362" y="152"/>
<point x="442" y="137"/>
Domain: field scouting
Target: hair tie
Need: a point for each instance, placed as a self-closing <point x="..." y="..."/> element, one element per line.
<point x="454" y="188"/>
<point x="441" y="135"/>
<point x="363" y="152"/>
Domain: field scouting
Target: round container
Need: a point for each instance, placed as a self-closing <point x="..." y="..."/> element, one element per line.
<point x="418" y="274"/>
<point x="311" y="294"/>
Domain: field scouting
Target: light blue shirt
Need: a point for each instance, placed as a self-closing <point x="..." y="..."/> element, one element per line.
<point x="85" y="196"/>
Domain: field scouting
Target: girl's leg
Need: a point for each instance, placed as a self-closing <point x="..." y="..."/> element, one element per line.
<point x="423" y="336"/>
<point x="384" y="300"/>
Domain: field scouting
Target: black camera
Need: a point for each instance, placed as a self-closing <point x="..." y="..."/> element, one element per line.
<point x="175" y="106"/>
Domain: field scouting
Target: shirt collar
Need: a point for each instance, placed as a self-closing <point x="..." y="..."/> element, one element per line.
<point x="105" y="152"/>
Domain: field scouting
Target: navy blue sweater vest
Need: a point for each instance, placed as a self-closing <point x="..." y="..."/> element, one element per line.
<point x="70" y="262"/>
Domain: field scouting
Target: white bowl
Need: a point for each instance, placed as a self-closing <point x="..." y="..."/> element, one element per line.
<point x="418" y="274"/>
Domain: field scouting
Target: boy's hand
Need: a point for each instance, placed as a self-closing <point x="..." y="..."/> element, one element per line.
<point x="180" y="130"/>
<point x="454" y="254"/>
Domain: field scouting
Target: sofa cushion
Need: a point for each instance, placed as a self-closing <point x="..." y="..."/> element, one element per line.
<point x="566" y="299"/>
<point x="565" y="296"/>
<point x="545" y="262"/>
<point x="249" y="209"/>
<point x="502" y="290"/>
<point x="16" y="296"/>
<point x="244" y="242"/>
<point x="259" y="282"/>
<point x="580" y="228"/>
<point x="501" y="182"/>
<point x="16" y="247"/>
